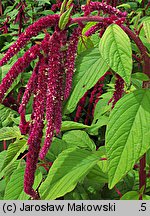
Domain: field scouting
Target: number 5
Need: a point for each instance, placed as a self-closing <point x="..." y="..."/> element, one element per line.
<point x="143" y="206"/>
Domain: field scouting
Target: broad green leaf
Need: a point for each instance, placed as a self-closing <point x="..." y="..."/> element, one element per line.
<point x="14" y="188"/>
<point x="13" y="151"/>
<point x="90" y="67"/>
<point x="7" y="133"/>
<point x="66" y="171"/>
<point x="115" y="48"/>
<point x="70" y="125"/>
<point x="79" y="138"/>
<point x="57" y="146"/>
<point x="64" y="19"/>
<point x="131" y="195"/>
<point x="10" y="169"/>
<point x="15" y="185"/>
<point x="146" y="26"/>
<point x="2" y="158"/>
<point x="127" y="134"/>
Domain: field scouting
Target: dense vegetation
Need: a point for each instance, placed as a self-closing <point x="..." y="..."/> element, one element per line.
<point x="75" y="99"/>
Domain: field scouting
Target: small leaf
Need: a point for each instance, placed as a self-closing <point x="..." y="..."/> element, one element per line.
<point x="131" y="195"/>
<point x="115" y="48"/>
<point x="127" y="134"/>
<point x="69" y="4"/>
<point x="140" y="76"/>
<point x="70" y="125"/>
<point x="146" y="26"/>
<point x="79" y="138"/>
<point x="63" y="6"/>
<point x="66" y="171"/>
<point x="64" y="19"/>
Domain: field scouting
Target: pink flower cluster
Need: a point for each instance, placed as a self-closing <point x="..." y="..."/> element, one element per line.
<point x="119" y="90"/>
<point x="100" y="6"/>
<point x="32" y="30"/>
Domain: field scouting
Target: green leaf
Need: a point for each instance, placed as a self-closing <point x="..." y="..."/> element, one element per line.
<point x="145" y="197"/>
<point x="69" y="3"/>
<point x="146" y="26"/>
<point x="115" y="48"/>
<point x="64" y="19"/>
<point x="2" y="158"/>
<point x="13" y="151"/>
<point x="79" y="138"/>
<point x="140" y="76"/>
<point x="57" y="146"/>
<point x="14" y="188"/>
<point x="66" y="171"/>
<point x="7" y="133"/>
<point x="102" y="106"/>
<point x="90" y="67"/>
<point x="70" y="125"/>
<point x="63" y="6"/>
<point x="126" y="6"/>
<point x="127" y="134"/>
<point x="5" y="115"/>
<point x="130" y="195"/>
<point x="94" y="128"/>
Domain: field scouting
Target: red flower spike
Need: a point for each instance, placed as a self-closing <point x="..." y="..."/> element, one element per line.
<point x="92" y="6"/>
<point x="54" y="64"/>
<point x="119" y="89"/>
<point x="94" y="28"/>
<point x="32" y="30"/>
<point x="94" y="98"/>
<point x="17" y="68"/>
<point x="29" y="88"/>
<point x="70" y="60"/>
<point x="36" y="133"/>
<point x="80" y="107"/>
<point x="24" y="125"/>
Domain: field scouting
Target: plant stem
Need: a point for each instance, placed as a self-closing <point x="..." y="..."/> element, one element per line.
<point x="4" y="145"/>
<point x="142" y="174"/>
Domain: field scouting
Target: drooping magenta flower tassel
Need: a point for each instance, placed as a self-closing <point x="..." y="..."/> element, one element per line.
<point x="100" y="6"/>
<point x="80" y="107"/>
<point x="17" y="68"/>
<point x="29" y="88"/>
<point x="36" y="129"/>
<point x="70" y="59"/>
<point x="54" y="67"/>
<point x="119" y="90"/>
<point x="31" y="31"/>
